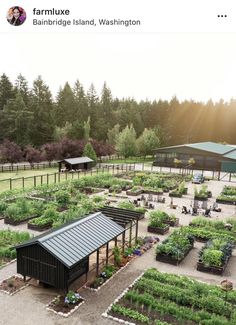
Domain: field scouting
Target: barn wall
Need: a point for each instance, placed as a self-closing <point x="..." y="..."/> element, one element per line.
<point x="34" y="261"/>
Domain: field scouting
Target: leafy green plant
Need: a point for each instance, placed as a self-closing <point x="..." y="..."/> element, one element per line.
<point x="117" y="255"/>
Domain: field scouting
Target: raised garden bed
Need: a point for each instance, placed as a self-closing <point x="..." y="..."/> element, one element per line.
<point x="211" y="269"/>
<point x="173" y="223"/>
<point x="168" y="259"/>
<point x="13" y="284"/>
<point x="17" y="222"/>
<point x="226" y="202"/>
<point x="40" y="227"/>
<point x="171" y="194"/>
<point x="62" y="306"/>
<point x="200" y="198"/>
<point x="130" y="193"/>
<point x="147" y="191"/>
<point x="158" y="230"/>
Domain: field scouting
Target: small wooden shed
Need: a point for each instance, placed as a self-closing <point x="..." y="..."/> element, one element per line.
<point x="69" y="164"/>
<point x="60" y="256"/>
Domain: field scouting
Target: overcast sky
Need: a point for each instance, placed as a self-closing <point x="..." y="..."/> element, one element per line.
<point x="188" y="65"/>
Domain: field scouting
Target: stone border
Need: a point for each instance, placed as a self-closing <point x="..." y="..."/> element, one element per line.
<point x="3" y="265"/>
<point x="13" y="293"/>
<point x="119" y="320"/>
<point x="122" y="268"/>
<point x="61" y="313"/>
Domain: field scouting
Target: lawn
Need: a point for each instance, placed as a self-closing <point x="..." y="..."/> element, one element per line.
<point x="29" y="181"/>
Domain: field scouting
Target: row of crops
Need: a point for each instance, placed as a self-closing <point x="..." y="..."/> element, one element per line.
<point x="161" y="299"/>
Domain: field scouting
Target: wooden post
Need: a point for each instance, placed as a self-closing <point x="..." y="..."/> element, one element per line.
<point x="41" y="179"/>
<point x="59" y="177"/>
<point x="34" y="181"/>
<point x="136" y="231"/>
<point x="55" y="177"/>
<point x="123" y="242"/>
<point x="107" y="250"/>
<point x="97" y="265"/>
<point x="229" y="177"/>
<point x="130" y="234"/>
<point x="47" y="179"/>
<point x="115" y="241"/>
<point x="23" y="182"/>
<point x="218" y="175"/>
<point x="10" y="184"/>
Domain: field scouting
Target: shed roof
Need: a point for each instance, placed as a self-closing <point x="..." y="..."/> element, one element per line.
<point x="213" y="147"/>
<point x="74" y="241"/>
<point x="78" y="160"/>
<point x="231" y="155"/>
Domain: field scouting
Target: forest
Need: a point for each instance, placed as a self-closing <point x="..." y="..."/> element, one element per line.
<point x="31" y="116"/>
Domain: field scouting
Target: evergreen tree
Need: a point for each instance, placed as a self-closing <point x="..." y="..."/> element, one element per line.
<point x="87" y="129"/>
<point x="81" y="103"/>
<point x="126" y="142"/>
<point x="21" y="85"/>
<point x="42" y="107"/>
<point x="93" y="103"/>
<point x="66" y="106"/>
<point x="6" y="90"/>
<point x="17" y="119"/>
<point x="89" y="152"/>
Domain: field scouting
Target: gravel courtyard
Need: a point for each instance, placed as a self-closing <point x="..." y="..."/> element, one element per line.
<point x="27" y="307"/>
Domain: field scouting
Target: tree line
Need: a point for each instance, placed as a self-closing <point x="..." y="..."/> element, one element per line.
<point x="30" y="117"/>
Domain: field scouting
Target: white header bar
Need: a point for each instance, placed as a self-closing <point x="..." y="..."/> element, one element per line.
<point x="121" y="16"/>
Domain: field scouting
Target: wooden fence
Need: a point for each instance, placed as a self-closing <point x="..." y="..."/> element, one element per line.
<point x="53" y="178"/>
<point x="26" y="166"/>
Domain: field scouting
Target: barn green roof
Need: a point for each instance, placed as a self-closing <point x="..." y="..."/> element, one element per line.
<point x="217" y="148"/>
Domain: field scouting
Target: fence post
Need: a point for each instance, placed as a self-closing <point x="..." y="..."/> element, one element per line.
<point x="55" y="177"/>
<point x="47" y="179"/>
<point x="10" y="184"/>
<point x="34" y="181"/>
<point x="59" y="177"/>
<point x="23" y="182"/>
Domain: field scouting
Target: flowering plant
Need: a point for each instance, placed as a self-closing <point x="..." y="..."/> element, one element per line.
<point x="72" y="297"/>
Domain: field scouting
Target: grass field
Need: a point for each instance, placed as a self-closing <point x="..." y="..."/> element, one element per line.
<point x="30" y="178"/>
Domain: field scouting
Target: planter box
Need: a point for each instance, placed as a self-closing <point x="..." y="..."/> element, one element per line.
<point x="185" y="190"/>
<point x="39" y="227"/>
<point x="116" y="191"/>
<point x="173" y="223"/>
<point x="168" y="259"/>
<point x="175" y="194"/>
<point x="198" y="198"/>
<point x="17" y="222"/>
<point x="217" y="270"/>
<point x="134" y="193"/>
<point x="152" y="192"/>
<point x="157" y="230"/>
<point x="226" y="202"/>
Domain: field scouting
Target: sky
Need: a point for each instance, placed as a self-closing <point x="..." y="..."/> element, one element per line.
<point x="142" y="66"/>
<point x="154" y="61"/>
